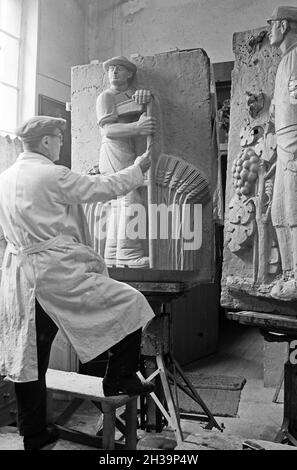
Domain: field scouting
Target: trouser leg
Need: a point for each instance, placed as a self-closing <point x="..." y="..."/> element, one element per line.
<point x="31" y="396"/>
<point x="123" y="357"/>
<point x="285" y="247"/>
<point x="294" y="250"/>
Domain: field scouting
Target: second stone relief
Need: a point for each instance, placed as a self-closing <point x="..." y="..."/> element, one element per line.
<point x="254" y="269"/>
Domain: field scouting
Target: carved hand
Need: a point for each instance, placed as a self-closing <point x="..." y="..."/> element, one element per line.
<point x="142" y="96"/>
<point x="272" y="111"/>
<point x="144" y="162"/>
<point x="293" y="90"/>
<point x="146" y="125"/>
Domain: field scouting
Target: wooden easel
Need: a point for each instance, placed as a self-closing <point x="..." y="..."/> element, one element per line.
<point x="161" y="365"/>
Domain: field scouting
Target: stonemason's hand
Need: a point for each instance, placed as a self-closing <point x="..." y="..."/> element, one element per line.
<point x="146" y="125"/>
<point x="144" y="162"/>
<point x="142" y="96"/>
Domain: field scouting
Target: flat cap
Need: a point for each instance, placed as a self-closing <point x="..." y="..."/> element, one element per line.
<point x="120" y="60"/>
<point x="38" y="126"/>
<point x="283" y="13"/>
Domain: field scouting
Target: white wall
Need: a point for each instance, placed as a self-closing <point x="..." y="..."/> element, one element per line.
<point x="28" y="60"/>
<point x="61" y="46"/>
<point x="151" y="26"/>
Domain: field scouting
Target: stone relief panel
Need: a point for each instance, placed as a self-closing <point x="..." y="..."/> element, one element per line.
<point x="184" y="169"/>
<point x="252" y="264"/>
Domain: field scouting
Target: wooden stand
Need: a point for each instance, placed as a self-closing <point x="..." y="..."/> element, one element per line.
<point x="279" y="328"/>
<point x="160" y="364"/>
<point x="83" y="387"/>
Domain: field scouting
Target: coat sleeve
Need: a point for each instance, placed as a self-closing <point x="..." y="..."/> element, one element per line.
<point x="77" y="189"/>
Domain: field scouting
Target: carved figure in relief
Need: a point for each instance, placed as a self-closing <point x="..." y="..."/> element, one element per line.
<point x="121" y="117"/>
<point x="283" y="34"/>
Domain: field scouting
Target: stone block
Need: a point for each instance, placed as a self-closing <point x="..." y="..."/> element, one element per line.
<point x="183" y="106"/>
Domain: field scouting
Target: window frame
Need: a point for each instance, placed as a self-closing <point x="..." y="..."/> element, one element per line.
<point x="16" y="87"/>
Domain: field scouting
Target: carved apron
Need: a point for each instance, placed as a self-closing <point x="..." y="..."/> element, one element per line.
<point x="116" y="154"/>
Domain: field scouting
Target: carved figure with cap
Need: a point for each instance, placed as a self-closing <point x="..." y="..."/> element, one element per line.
<point x="283" y="34"/>
<point x="122" y="118"/>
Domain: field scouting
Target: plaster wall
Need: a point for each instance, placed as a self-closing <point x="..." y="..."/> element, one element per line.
<point x="61" y="46"/>
<point x="124" y="27"/>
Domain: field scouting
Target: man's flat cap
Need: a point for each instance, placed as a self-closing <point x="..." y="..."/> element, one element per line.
<point x="38" y="126"/>
<point x="120" y="60"/>
<point x="283" y="13"/>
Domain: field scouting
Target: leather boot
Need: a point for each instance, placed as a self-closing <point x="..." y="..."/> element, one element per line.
<point x="40" y="440"/>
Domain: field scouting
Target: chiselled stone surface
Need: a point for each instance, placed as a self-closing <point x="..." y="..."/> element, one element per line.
<point x="180" y="83"/>
<point x="252" y="262"/>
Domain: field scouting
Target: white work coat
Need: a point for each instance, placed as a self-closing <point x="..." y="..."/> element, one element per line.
<point x="48" y="256"/>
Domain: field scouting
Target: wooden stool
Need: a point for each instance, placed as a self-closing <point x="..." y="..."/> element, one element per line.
<point x="85" y="387"/>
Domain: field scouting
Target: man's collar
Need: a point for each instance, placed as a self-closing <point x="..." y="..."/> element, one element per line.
<point x="128" y="92"/>
<point x="34" y="155"/>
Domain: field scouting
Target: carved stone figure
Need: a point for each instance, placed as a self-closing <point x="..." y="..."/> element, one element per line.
<point x="121" y="117"/>
<point x="283" y="34"/>
<point x="181" y="196"/>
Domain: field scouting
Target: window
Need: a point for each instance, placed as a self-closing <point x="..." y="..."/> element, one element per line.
<point x="10" y="40"/>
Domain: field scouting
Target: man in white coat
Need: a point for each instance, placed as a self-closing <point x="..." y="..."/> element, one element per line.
<point x="52" y="279"/>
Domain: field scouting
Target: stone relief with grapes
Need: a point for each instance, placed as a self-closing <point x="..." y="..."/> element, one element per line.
<point x="249" y="224"/>
<point x="253" y="278"/>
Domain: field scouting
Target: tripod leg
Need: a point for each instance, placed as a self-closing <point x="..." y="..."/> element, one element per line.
<point x="174" y="414"/>
<point x="278" y="388"/>
<point x="198" y="399"/>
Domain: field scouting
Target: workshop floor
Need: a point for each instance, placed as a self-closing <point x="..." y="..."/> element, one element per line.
<point x="240" y="353"/>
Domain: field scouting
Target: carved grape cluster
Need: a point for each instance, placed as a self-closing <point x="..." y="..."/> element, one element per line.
<point x="245" y="171"/>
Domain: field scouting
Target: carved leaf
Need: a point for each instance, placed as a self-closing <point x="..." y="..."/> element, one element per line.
<point x="241" y="237"/>
<point x="270" y="147"/>
<point x="249" y="135"/>
<point x="240" y="226"/>
<point x="240" y="213"/>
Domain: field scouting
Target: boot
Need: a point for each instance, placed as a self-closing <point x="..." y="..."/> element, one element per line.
<point x="40" y="440"/>
<point x="123" y="363"/>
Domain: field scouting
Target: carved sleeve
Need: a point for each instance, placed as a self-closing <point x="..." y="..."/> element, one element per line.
<point x="106" y="109"/>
